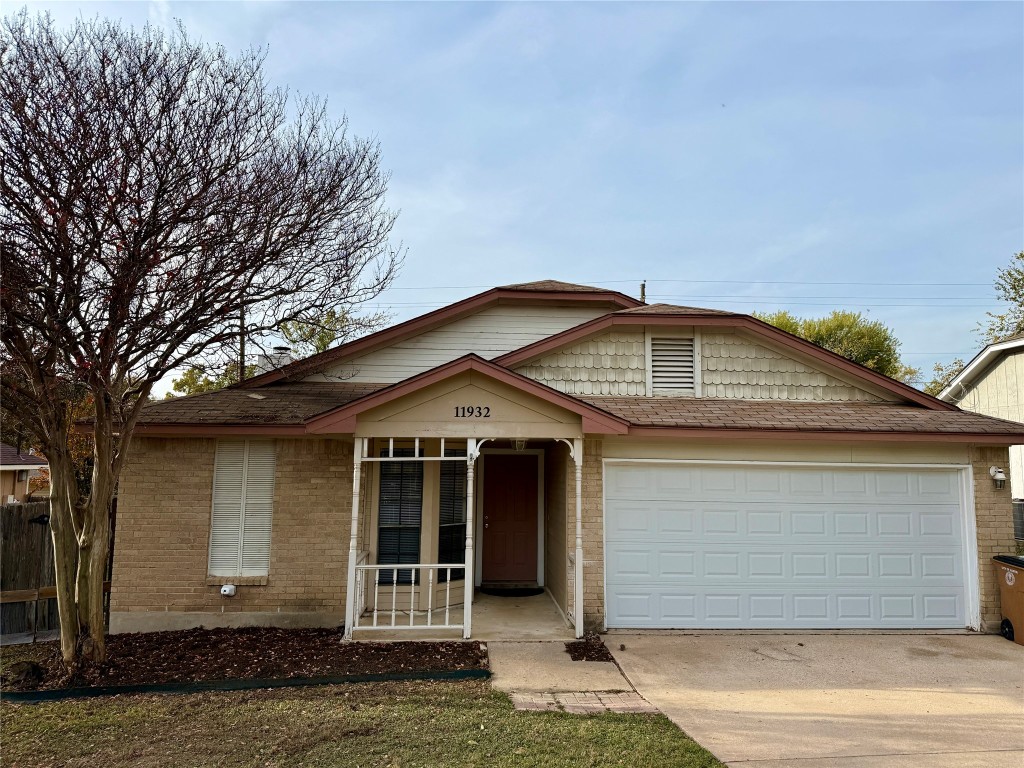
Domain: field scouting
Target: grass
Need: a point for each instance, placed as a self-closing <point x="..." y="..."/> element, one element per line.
<point x="367" y="725"/>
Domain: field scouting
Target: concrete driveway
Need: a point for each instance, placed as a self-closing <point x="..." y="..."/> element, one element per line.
<point x="847" y="701"/>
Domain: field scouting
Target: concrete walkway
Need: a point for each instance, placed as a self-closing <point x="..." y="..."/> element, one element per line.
<point x="541" y="676"/>
<point x="842" y="701"/>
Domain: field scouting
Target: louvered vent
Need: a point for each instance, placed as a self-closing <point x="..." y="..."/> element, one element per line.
<point x="672" y="368"/>
<point x="243" y="504"/>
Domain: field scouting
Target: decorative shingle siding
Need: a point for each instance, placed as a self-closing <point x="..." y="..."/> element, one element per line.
<point x="609" y="364"/>
<point x="735" y="367"/>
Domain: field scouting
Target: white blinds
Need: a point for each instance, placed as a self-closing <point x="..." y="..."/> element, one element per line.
<point x="243" y="502"/>
<point x="672" y="365"/>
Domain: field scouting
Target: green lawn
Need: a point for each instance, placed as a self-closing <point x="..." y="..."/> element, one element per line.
<point x="392" y="724"/>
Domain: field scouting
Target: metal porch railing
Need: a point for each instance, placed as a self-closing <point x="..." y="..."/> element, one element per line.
<point x="408" y="596"/>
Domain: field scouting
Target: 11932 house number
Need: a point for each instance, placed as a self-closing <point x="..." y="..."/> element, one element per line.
<point x="472" y="411"/>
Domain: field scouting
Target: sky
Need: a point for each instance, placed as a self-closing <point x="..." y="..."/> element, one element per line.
<point x="742" y="156"/>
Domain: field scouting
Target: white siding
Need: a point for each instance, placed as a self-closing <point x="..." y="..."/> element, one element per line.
<point x="1000" y="393"/>
<point x="490" y="333"/>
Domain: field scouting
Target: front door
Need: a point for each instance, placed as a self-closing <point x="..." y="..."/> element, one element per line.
<point x="510" y="518"/>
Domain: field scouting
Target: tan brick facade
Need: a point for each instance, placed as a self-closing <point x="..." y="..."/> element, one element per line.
<point x="162" y="544"/>
<point x="593" y="534"/>
<point x="993" y="511"/>
<point x="160" y="563"/>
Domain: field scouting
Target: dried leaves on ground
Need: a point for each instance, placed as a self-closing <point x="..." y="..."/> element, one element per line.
<point x="193" y="655"/>
<point x="590" y="648"/>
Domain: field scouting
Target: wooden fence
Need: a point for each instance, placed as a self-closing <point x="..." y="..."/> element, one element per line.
<point x="27" y="582"/>
<point x="26" y="566"/>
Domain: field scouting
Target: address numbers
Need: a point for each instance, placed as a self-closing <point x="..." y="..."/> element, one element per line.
<point x="472" y="411"/>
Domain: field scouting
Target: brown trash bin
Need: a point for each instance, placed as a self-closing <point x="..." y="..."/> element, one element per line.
<point x="1010" y="572"/>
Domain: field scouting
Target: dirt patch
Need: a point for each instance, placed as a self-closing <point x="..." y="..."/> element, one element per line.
<point x="249" y="653"/>
<point x="590" y="648"/>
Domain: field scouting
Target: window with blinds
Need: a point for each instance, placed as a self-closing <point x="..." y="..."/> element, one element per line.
<point x="243" y="506"/>
<point x="672" y="366"/>
<point x="399" y="514"/>
<point x="451" y="536"/>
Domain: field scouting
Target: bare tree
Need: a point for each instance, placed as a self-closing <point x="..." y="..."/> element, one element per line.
<point x="154" y="189"/>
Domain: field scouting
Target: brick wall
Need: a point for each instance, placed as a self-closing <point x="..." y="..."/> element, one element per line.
<point x="593" y="534"/>
<point x="994" y="514"/>
<point x="163" y="524"/>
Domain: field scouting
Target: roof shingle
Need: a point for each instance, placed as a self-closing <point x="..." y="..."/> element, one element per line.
<point x="720" y="413"/>
<point x="9" y="457"/>
<point x="554" y="286"/>
<point x="279" y="404"/>
<point x="671" y="309"/>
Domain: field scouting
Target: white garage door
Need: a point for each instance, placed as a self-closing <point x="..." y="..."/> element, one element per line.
<point x="736" y="546"/>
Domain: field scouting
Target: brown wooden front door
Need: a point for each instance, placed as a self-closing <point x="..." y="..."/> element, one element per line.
<point x="510" y="518"/>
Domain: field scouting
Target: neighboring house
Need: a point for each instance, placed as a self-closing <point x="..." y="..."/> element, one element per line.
<point x="16" y="470"/>
<point x="649" y="466"/>
<point x="993" y="384"/>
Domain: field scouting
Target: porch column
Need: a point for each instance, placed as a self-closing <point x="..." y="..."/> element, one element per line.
<point x="469" y="582"/>
<point x="353" y="541"/>
<point x="577" y="455"/>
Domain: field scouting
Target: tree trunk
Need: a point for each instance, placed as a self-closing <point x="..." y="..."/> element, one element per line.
<point x="63" y="499"/>
<point x="95" y="540"/>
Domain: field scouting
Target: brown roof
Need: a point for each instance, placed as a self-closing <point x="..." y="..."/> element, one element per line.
<point x="279" y="404"/>
<point x="671" y="309"/>
<point x="553" y="286"/>
<point x="9" y="457"/>
<point x="781" y="415"/>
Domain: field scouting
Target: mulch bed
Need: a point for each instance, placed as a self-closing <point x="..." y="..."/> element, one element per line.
<point x="260" y="653"/>
<point x="590" y="648"/>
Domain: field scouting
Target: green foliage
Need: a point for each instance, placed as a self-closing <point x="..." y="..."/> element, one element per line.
<point x="867" y="342"/>
<point x="196" y="380"/>
<point x="943" y="374"/>
<point x="1009" y="287"/>
<point x="311" y="338"/>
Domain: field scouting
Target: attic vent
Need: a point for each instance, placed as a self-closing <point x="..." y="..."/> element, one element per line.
<point x="672" y="368"/>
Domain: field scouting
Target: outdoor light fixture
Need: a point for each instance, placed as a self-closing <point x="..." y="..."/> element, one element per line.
<point x="998" y="476"/>
<point x="519" y="444"/>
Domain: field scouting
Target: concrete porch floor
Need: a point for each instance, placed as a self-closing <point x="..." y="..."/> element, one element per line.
<point x="533" y="618"/>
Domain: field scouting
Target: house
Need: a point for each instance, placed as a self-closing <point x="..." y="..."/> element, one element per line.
<point x="648" y="466"/>
<point x="16" y="470"/>
<point x="993" y="384"/>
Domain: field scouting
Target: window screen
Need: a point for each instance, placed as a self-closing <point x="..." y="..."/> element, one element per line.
<point x="451" y="538"/>
<point x="400" y="514"/>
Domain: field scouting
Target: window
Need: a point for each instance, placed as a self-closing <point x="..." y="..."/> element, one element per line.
<point x="243" y="504"/>
<point x="451" y="536"/>
<point x="400" y="513"/>
<point x="672" y="366"/>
